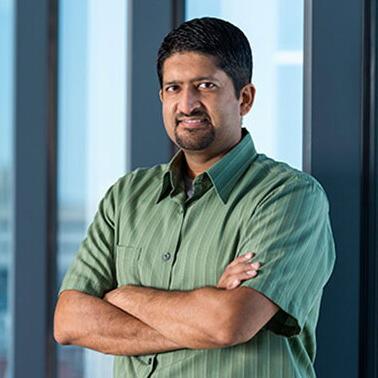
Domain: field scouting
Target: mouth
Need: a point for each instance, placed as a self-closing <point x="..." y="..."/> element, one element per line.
<point x="192" y="123"/>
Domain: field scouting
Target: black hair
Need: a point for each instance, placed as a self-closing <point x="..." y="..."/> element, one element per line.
<point x="214" y="37"/>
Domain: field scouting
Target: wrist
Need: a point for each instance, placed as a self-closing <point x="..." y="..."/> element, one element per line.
<point x="116" y="297"/>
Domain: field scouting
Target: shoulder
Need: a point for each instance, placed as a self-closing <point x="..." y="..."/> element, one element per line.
<point x="274" y="179"/>
<point x="134" y="183"/>
<point x="140" y="177"/>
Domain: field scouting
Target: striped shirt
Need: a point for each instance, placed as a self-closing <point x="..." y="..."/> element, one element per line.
<point x="148" y="233"/>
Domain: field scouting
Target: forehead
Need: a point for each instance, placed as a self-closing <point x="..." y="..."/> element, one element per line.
<point x="186" y="66"/>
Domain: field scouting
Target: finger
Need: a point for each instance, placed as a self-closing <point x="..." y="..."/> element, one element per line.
<point x="238" y="270"/>
<point x="248" y="255"/>
<point x="241" y="267"/>
<point x="255" y="266"/>
<point x="251" y="258"/>
<point x="249" y="273"/>
<point x="242" y="258"/>
<point x="235" y="282"/>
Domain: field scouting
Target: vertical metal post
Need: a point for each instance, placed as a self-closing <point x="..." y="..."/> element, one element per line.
<point x="369" y="201"/>
<point x="32" y="353"/>
<point x="147" y="142"/>
<point x="332" y="153"/>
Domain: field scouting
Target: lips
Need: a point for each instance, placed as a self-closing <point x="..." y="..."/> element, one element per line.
<point x="192" y="122"/>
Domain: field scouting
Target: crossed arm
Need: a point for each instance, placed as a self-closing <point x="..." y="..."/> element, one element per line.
<point x="140" y="320"/>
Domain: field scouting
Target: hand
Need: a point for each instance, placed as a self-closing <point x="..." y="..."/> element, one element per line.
<point x="241" y="269"/>
<point x="108" y="297"/>
<point x="114" y="296"/>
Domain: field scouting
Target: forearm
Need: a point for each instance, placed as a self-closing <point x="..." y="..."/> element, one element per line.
<point x="197" y="319"/>
<point x="90" y="322"/>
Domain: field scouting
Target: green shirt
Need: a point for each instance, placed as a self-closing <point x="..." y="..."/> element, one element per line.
<point x="146" y="232"/>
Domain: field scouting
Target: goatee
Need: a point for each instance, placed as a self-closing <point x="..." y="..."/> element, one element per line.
<point x="196" y="138"/>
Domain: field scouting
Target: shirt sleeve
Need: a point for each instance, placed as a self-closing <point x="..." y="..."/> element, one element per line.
<point x="291" y="235"/>
<point x="93" y="270"/>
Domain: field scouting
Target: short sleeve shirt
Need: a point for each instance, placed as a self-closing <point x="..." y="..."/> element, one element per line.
<point x="147" y="232"/>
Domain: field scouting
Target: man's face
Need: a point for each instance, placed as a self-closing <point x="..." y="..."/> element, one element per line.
<point x="200" y="109"/>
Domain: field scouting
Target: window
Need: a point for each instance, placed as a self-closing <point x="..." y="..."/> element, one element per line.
<point x="275" y="32"/>
<point x="92" y="136"/>
<point x="6" y="162"/>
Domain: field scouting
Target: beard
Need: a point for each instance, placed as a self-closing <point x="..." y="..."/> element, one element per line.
<point x="195" y="139"/>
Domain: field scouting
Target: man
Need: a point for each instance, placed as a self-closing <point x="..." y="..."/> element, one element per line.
<point x="165" y="278"/>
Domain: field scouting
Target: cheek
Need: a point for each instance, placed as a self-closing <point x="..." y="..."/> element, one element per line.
<point x="165" y="112"/>
<point x="168" y="118"/>
<point x="226" y="111"/>
<point x="168" y="110"/>
<point x="226" y="118"/>
<point x="233" y="107"/>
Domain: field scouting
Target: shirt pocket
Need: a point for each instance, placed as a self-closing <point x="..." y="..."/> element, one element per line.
<point x="127" y="265"/>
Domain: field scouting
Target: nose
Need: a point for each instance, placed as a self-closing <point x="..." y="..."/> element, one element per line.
<point x="188" y="101"/>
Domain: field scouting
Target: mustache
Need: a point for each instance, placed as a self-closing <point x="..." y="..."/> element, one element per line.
<point x="195" y="113"/>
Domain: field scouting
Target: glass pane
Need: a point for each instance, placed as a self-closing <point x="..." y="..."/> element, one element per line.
<point x="275" y="31"/>
<point x="6" y="162"/>
<point x="92" y="136"/>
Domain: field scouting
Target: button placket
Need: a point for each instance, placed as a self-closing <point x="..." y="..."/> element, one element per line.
<point x="166" y="256"/>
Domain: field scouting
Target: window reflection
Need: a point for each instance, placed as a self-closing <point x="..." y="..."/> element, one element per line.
<point x="275" y="31"/>
<point x="92" y="136"/>
<point x="6" y="161"/>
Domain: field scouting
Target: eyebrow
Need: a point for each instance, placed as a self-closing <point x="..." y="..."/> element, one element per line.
<point x="199" y="78"/>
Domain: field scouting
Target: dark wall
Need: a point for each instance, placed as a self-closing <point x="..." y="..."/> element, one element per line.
<point x="336" y="120"/>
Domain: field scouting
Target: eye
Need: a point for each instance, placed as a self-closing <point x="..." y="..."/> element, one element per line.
<point x="171" y="88"/>
<point x="206" y="85"/>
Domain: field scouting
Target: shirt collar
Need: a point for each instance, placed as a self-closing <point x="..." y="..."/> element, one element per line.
<point x="224" y="174"/>
<point x="172" y="179"/>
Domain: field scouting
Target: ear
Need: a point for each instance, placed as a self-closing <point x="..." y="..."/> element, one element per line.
<point x="161" y="95"/>
<point x="247" y="96"/>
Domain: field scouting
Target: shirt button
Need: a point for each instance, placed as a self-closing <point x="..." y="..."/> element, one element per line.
<point x="166" y="256"/>
<point x="150" y="361"/>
